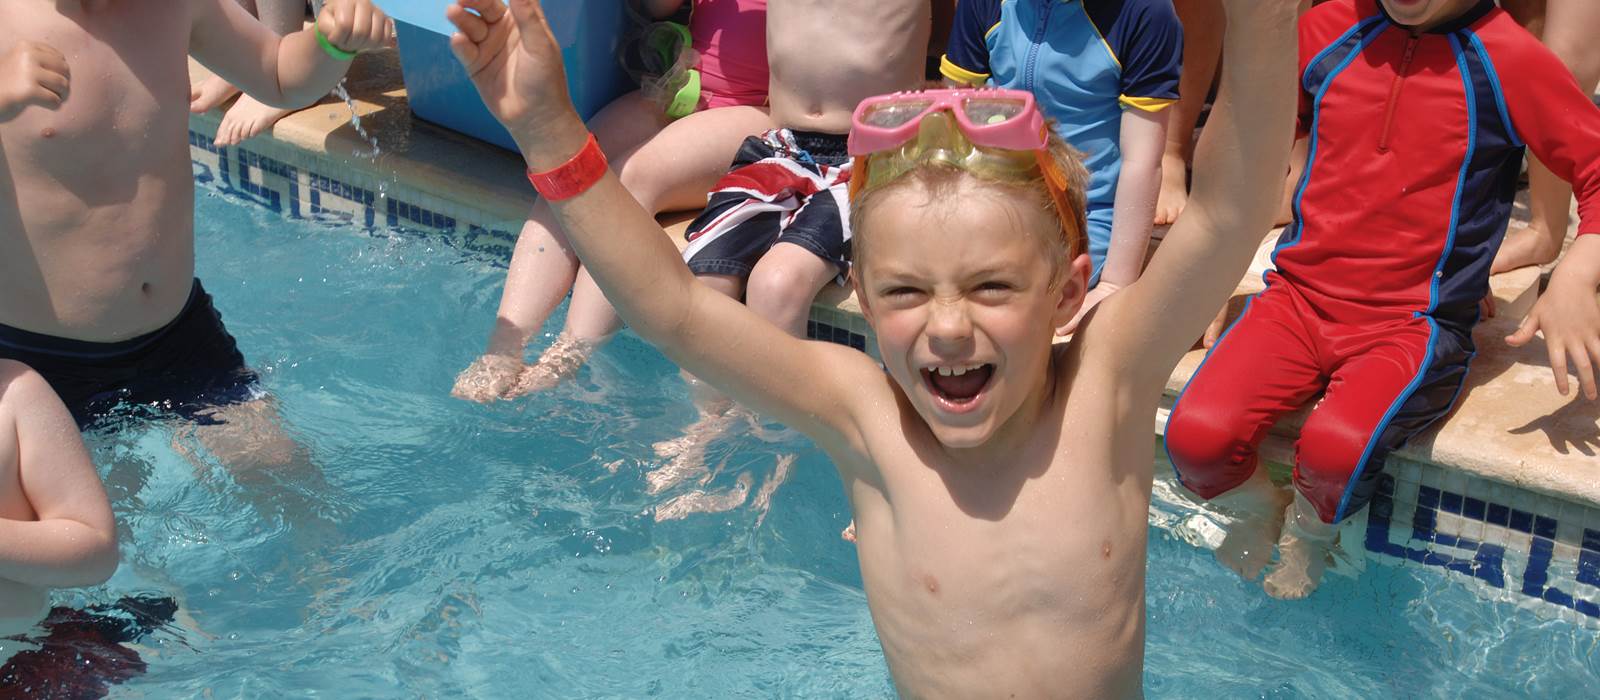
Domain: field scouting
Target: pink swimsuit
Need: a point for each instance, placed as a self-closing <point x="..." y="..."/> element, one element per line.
<point x="731" y="36"/>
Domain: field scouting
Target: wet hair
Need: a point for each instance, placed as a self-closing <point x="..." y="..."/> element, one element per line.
<point x="940" y="182"/>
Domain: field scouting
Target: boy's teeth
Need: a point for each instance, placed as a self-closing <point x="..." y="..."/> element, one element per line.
<point x="955" y="371"/>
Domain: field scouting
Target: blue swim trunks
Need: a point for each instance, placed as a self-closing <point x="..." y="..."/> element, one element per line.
<point x="186" y="367"/>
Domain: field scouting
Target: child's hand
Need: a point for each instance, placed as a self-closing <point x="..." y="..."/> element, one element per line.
<point x="515" y="64"/>
<point x="1219" y="325"/>
<point x="488" y="379"/>
<point x="354" y="25"/>
<point x="1569" y="316"/>
<point x="1092" y="299"/>
<point x="32" y="74"/>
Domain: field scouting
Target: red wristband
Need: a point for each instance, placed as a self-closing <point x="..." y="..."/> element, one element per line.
<point x="573" y="177"/>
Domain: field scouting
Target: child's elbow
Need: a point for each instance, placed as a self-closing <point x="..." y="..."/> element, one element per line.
<point x="100" y="559"/>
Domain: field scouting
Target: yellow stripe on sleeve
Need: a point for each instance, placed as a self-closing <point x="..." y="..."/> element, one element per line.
<point x="961" y="75"/>
<point x="1148" y="104"/>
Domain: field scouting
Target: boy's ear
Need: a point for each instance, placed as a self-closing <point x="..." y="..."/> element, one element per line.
<point x="1074" y="288"/>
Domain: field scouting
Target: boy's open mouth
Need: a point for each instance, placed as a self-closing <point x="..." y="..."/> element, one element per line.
<point x="958" y="386"/>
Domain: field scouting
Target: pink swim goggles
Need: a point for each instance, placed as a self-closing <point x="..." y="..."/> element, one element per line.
<point x="991" y="133"/>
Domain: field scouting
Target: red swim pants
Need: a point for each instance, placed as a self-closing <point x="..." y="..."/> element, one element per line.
<point x="1383" y="376"/>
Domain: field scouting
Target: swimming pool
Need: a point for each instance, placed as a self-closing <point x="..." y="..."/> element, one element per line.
<point x="512" y="550"/>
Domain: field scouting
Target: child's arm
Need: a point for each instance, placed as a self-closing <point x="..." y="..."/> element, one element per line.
<point x="817" y="388"/>
<point x="1146" y="38"/>
<point x="1561" y="125"/>
<point x="287" y="72"/>
<point x="74" y="540"/>
<point x="966" y="57"/>
<point x="1239" y="167"/>
<point x="1144" y="140"/>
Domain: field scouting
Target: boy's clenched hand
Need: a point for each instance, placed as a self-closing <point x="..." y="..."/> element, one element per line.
<point x="354" y="25"/>
<point x="515" y="64"/>
<point x="32" y="74"/>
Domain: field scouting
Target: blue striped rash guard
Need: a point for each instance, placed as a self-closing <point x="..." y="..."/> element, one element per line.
<point x="1085" y="61"/>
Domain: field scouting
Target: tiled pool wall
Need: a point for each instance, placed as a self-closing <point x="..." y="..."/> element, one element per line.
<point x="1506" y="543"/>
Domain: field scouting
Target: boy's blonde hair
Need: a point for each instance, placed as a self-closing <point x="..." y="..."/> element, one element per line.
<point x="939" y="181"/>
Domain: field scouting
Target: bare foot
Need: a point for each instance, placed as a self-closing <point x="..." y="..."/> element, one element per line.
<point x="1246" y="547"/>
<point x="1174" y="189"/>
<point x="1303" y="553"/>
<point x="687" y="454"/>
<point x="488" y="378"/>
<point x="558" y="364"/>
<point x="849" y="534"/>
<point x="705" y="502"/>
<point x="210" y="94"/>
<point x="1525" y="246"/>
<point x="247" y="119"/>
<point x="763" y="500"/>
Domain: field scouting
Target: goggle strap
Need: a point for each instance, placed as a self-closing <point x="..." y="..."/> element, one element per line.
<point x="1056" y="183"/>
<point x="859" y="172"/>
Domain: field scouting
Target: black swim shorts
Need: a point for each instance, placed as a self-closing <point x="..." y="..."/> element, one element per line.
<point x="189" y="365"/>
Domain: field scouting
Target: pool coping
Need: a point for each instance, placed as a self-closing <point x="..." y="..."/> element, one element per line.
<point x="1512" y="436"/>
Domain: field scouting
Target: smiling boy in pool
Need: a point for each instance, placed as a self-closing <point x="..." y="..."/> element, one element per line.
<point x="1000" y="485"/>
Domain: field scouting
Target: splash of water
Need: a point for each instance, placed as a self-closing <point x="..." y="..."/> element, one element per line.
<point x="343" y="93"/>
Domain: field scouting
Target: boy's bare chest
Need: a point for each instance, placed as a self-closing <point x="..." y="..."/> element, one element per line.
<point x="129" y="78"/>
<point x="996" y="586"/>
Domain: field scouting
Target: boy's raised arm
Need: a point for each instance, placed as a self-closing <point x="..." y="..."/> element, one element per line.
<point x="286" y="72"/>
<point x="812" y="387"/>
<point x="74" y="541"/>
<point x="1239" y="169"/>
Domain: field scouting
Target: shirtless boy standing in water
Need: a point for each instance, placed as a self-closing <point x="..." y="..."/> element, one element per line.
<point x="97" y="285"/>
<point x="1000" y="485"/>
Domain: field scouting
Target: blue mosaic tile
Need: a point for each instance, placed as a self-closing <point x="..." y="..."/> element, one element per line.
<point x="1485" y="562"/>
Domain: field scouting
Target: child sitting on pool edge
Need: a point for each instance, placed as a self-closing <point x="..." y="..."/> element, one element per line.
<point x="1106" y="72"/>
<point x="1000" y="484"/>
<point x="668" y="164"/>
<point x="1418" y="115"/>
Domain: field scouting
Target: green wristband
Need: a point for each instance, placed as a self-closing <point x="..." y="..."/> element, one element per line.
<point x="337" y="53"/>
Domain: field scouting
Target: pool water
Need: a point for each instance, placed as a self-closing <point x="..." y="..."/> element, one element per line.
<point x="513" y="551"/>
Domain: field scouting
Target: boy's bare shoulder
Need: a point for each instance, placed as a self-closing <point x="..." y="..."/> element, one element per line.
<point x="20" y="386"/>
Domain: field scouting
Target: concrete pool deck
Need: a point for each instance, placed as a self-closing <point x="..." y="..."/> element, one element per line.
<point x="1511" y="436"/>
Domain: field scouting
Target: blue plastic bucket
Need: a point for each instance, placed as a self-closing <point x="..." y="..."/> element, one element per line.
<point x="439" y="91"/>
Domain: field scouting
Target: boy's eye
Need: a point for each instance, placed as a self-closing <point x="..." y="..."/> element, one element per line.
<point x="994" y="287"/>
<point x="901" y="291"/>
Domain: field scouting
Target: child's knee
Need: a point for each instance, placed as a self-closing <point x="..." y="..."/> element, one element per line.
<point x="1209" y="452"/>
<point x="785" y="285"/>
<point x="1327" y="458"/>
<point x="644" y="182"/>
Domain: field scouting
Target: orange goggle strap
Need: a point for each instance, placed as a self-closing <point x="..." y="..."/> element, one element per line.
<point x="1068" y="211"/>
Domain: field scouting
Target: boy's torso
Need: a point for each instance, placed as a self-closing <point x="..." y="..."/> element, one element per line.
<point x="1413" y="162"/>
<point x="96" y="212"/>
<point x="828" y="55"/>
<point x="1024" y="576"/>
